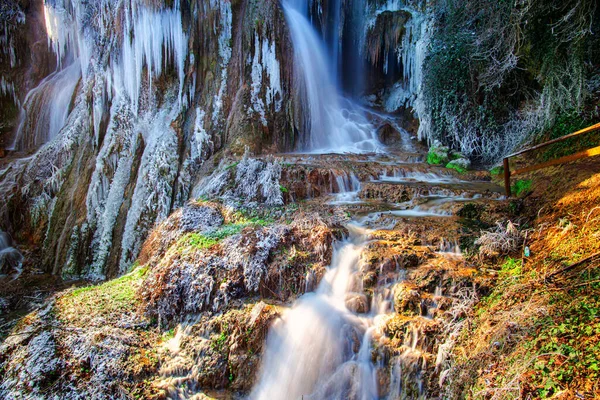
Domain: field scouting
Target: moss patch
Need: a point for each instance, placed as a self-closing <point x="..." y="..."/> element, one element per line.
<point x="456" y="167"/>
<point x="521" y="187"/>
<point x="435" y="159"/>
<point x="109" y="299"/>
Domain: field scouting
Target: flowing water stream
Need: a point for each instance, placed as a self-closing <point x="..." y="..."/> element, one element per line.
<point x="334" y="123"/>
<point x="320" y="349"/>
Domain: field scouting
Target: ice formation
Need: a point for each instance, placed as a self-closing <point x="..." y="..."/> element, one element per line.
<point x="255" y="181"/>
<point x="265" y="67"/>
<point x="225" y="20"/>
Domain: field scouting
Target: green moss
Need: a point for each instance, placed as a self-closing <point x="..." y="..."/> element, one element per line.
<point x="456" y="167"/>
<point x="522" y="186"/>
<point x="111" y="297"/>
<point x="434" y="159"/>
<point x="195" y="241"/>
<point x="235" y="164"/>
<point x="497" y="171"/>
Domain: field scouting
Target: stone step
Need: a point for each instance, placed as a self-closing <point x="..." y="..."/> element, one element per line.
<point x="394" y="182"/>
<point x="404" y="192"/>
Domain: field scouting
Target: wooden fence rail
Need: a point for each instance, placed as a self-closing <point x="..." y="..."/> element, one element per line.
<point x="582" y="154"/>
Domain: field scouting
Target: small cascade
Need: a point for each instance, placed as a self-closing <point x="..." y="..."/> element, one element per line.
<point x="334" y="125"/>
<point x="405" y="176"/>
<point x="348" y="187"/>
<point x="46" y="109"/>
<point x="450" y="247"/>
<point x="10" y="258"/>
<point x="312" y="350"/>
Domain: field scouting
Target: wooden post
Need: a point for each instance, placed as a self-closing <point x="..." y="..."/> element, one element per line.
<point x="507" y="177"/>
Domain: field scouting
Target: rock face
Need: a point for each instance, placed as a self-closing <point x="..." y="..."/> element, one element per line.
<point x="136" y="133"/>
<point x="220" y="273"/>
<point x="122" y="131"/>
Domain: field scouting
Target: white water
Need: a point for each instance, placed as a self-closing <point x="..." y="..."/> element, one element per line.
<point x="46" y="109"/>
<point x="335" y="125"/>
<point x="348" y="187"/>
<point x="403" y="176"/>
<point x="309" y="351"/>
<point x="10" y="258"/>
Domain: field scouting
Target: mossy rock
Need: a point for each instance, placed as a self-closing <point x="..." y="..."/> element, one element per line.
<point x="438" y="154"/>
<point x="461" y="165"/>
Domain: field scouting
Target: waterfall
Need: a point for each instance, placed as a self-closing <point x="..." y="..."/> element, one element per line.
<point x="334" y="124"/>
<point x="46" y="109"/>
<point x="311" y="353"/>
<point x="10" y="258"/>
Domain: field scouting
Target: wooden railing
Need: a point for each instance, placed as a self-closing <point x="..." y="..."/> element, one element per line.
<point x="582" y="154"/>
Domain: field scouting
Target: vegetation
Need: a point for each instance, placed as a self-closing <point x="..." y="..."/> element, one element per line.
<point x="456" y="167"/>
<point x="108" y="299"/>
<point x="536" y="334"/>
<point x="499" y="72"/>
<point x="522" y="186"/>
<point x="434" y="159"/>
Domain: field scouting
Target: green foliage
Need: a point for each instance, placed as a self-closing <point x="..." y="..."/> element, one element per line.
<point x="511" y="268"/>
<point x="283" y="189"/>
<point x="219" y="344"/>
<point x="568" y="123"/>
<point x="168" y="335"/>
<point x="567" y="342"/>
<point x="522" y="186"/>
<point x="488" y="61"/>
<point x="497" y="171"/>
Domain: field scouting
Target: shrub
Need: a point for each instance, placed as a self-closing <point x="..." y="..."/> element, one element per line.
<point x="503" y="240"/>
<point x="521" y="187"/>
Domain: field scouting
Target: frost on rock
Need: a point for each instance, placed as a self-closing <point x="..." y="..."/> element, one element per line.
<point x="30" y="366"/>
<point x="266" y="79"/>
<point x="103" y="350"/>
<point x="253" y="256"/>
<point x="255" y="181"/>
<point x="225" y="19"/>
<point x="188" y="283"/>
<point x="152" y="199"/>
<point x="197" y="218"/>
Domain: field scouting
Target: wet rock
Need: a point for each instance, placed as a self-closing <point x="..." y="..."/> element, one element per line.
<point x="357" y="303"/>
<point x="407" y="299"/>
<point x="10" y="260"/>
<point x="388" y="135"/>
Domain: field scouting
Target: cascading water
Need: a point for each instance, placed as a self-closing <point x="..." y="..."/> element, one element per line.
<point x="10" y="258"/>
<point x="334" y="124"/>
<point x="46" y="108"/>
<point x="312" y="351"/>
<point x="348" y="187"/>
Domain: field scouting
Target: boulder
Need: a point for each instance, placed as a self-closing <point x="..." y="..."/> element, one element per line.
<point x="407" y="299"/>
<point x="357" y="303"/>
<point x="388" y="135"/>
